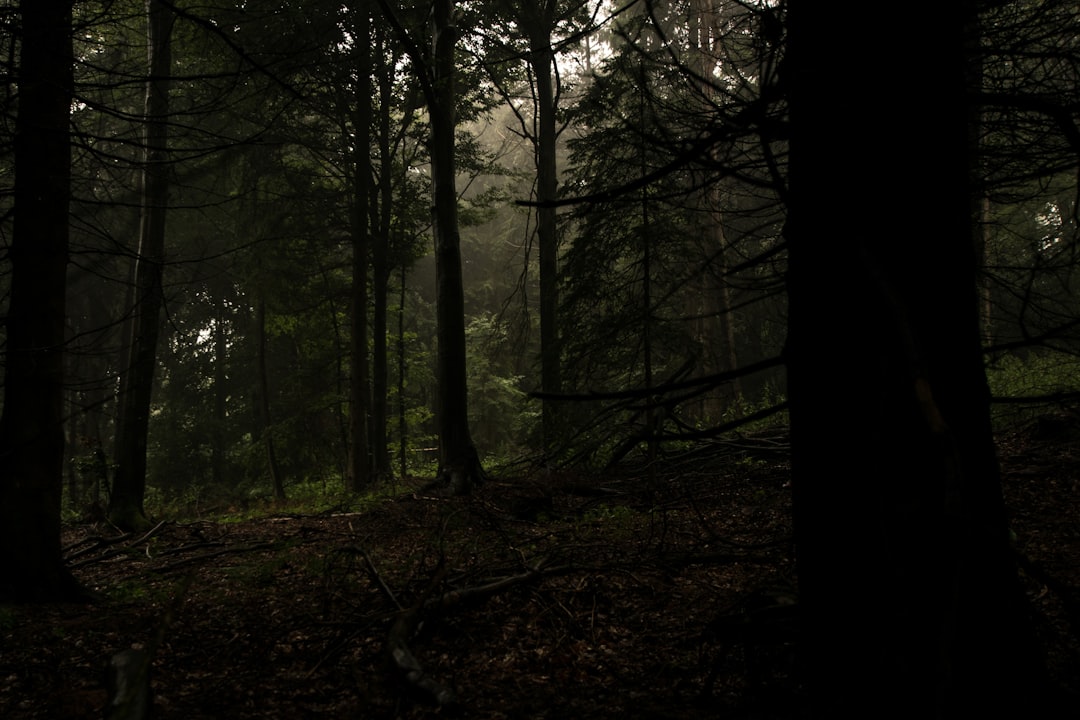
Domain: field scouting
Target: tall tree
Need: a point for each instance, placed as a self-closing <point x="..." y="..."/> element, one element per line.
<point x="129" y="484"/>
<point x="389" y="141"/>
<point x="541" y="24"/>
<point x="31" y="428"/>
<point x="909" y="597"/>
<point x="359" y="470"/>
<point x="263" y="395"/>
<point x="537" y="22"/>
<point x="459" y="463"/>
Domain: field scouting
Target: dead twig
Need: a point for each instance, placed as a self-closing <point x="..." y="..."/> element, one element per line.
<point x="377" y="579"/>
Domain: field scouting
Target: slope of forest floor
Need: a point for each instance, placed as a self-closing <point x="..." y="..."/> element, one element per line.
<point x="638" y="596"/>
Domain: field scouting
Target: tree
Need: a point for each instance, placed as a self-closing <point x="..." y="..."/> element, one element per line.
<point x="459" y="463"/>
<point x="679" y="123"/>
<point x="137" y="382"/>
<point x="909" y="597"/>
<point x="395" y="226"/>
<point x="31" y="427"/>
<point x="538" y="22"/>
<point x="360" y="466"/>
<point x="386" y="58"/>
<point x="1027" y="79"/>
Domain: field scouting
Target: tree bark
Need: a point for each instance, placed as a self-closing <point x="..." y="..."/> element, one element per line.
<point x="359" y="382"/>
<point x="265" y="423"/>
<point x="380" y="268"/>
<point x="31" y="428"/>
<point x="909" y="597"/>
<point x="459" y="465"/>
<point x="221" y="353"/>
<point x="539" y="24"/>
<point x="129" y="486"/>
<point x="718" y="322"/>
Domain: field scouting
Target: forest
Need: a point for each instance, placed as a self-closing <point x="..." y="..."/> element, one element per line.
<point x="567" y="358"/>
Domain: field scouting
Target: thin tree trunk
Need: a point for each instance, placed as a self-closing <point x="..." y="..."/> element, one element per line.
<point x="31" y="428"/>
<point x="339" y="375"/>
<point x="980" y="200"/>
<point x="380" y="452"/>
<point x="129" y="486"/>
<point x="265" y="421"/>
<point x="221" y="351"/>
<point x="715" y="280"/>
<point x="403" y="423"/>
<point x="721" y="291"/>
<point x="360" y="384"/>
<point x="542" y="59"/>
<point x="653" y="420"/>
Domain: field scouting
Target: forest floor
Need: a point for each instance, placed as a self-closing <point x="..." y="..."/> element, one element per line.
<point x="630" y="596"/>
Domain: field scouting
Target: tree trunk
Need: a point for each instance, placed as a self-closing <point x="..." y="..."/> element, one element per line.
<point x="909" y="596"/>
<point x="31" y="428"/>
<point x="458" y="460"/>
<point x="265" y="422"/>
<point x="360" y="384"/>
<point x="718" y="322"/>
<point x="221" y="352"/>
<point x="542" y="58"/>
<point x="403" y="422"/>
<point x="380" y="268"/>
<point x="129" y="486"/>
<point x="653" y="416"/>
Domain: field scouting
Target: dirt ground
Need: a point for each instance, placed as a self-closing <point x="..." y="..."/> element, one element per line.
<point x="635" y="596"/>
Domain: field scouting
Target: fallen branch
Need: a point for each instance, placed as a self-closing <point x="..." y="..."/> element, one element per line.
<point x="96" y="543"/>
<point x="189" y="547"/>
<point x="397" y="643"/>
<point x="455" y="597"/>
<point x="92" y="544"/>
<point x="404" y="627"/>
<point x="407" y="622"/>
<point x="150" y="533"/>
<point x="206" y="556"/>
<point x="107" y="555"/>
<point x="377" y="579"/>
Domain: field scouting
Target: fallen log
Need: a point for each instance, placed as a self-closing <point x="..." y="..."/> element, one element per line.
<point x="408" y="621"/>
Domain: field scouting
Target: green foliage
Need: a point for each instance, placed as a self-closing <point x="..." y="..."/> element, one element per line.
<point x="618" y="521"/>
<point x="1039" y="376"/>
<point x="129" y="591"/>
<point x="501" y="415"/>
<point x="649" y="291"/>
<point x="260" y="573"/>
<point x="242" y="501"/>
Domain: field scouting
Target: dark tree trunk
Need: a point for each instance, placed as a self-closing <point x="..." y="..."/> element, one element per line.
<point x="540" y="24"/>
<point x="403" y="423"/>
<point x="31" y="429"/>
<point x="265" y="422"/>
<point x="221" y="353"/>
<point x="359" y="381"/>
<point x="908" y="591"/>
<point x="129" y="485"/>
<point x="458" y="461"/>
<point x="380" y="268"/>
